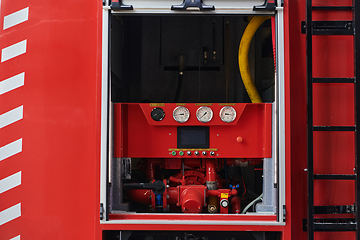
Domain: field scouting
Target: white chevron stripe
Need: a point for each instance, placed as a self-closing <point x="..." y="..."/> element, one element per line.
<point x="11" y="116"/>
<point x="12" y="83"/>
<point x="10" y="214"/>
<point x="10" y="182"/>
<point x="16" y="18"/>
<point x="10" y="149"/>
<point x="13" y="51"/>
<point x="16" y="238"/>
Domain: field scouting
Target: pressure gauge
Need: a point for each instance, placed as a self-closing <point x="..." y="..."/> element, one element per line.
<point x="181" y="114"/>
<point x="157" y="114"/>
<point x="227" y="114"/>
<point x="204" y="114"/>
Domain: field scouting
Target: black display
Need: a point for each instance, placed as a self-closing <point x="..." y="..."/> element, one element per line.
<point x="193" y="137"/>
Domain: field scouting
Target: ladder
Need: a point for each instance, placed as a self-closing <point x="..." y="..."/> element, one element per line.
<point x="311" y="28"/>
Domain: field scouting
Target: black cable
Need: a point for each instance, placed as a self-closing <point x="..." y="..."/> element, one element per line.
<point x="178" y="88"/>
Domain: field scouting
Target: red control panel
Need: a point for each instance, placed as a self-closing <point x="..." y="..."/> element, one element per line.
<point x="192" y="130"/>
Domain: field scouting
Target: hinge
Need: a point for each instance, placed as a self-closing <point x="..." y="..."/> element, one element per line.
<point x="284" y="213"/>
<point x="101" y="211"/>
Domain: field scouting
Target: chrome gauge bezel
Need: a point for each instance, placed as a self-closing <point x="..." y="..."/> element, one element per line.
<point x="178" y="118"/>
<point x="200" y="114"/>
<point x="222" y="114"/>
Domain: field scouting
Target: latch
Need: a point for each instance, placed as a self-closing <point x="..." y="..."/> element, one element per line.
<point x="284" y="213"/>
<point x="101" y="211"/>
<point x="118" y="5"/>
<point x="193" y="4"/>
<point x="269" y="5"/>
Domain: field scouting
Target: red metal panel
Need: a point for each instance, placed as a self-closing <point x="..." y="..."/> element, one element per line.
<point x="145" y="137"/>
<point x="333" y="105"/>
<point x="61" y="121"/>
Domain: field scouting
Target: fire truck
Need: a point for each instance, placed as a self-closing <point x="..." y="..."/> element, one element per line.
<point x="179" y="119"/>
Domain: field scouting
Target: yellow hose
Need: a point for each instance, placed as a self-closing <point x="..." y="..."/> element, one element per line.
<point x="243" y="57"/>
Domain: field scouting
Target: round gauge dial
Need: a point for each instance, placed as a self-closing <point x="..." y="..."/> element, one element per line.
<point x="227" y="114"/>
<point x="157" y="114"/>
<point x="204" y="114"/>
<point x="181" y="114"/>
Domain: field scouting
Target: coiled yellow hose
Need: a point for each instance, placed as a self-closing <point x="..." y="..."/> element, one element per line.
<point x="243" y="57"/>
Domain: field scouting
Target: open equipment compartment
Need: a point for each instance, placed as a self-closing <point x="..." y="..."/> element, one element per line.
<point x="187" y="141"/>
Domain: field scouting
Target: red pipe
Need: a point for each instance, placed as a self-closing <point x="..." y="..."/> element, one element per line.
<point x="140" y="195"/>
<point x="151" y="163"/>
<point x="235" y="204"/>
<point x="210" y="170"/>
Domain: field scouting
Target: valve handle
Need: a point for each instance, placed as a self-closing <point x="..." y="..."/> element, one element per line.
<point x="158" y="187"/>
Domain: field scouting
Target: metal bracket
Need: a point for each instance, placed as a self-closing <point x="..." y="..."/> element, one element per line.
<point x="118" y="5"/>
<point x="193" y="4"/>
<point x="269" y="5"/>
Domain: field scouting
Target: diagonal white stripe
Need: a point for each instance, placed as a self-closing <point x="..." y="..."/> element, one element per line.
<point x="16" y="238"/>
<point x="12" y="83"/>
<point x="11" y="116"/>
<point x="16" y="18"/>
<point x="10" y="149"/>
<point x="10" y="182"/>
<point x="13" y="51"/>
<point x="10" y="214"/>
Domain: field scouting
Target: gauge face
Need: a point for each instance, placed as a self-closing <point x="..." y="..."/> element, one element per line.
<point x="157" y="114"/>
<point x="181" y="114"/>
<point x="227" y="114"/>
<point x="204" y="114"/>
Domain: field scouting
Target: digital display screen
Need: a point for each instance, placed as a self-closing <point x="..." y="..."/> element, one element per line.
<point x="193" y="137"/>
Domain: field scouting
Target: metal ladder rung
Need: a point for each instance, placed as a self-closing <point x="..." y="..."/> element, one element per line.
<point x="334" y="176"/>
<point x="333" y="80"/>
<point x="334" y="226"/>
<point x="335" y="128"/>
<point x="332" y="28"/>
<point x="336" y="8"/>
<point x="334" y="209"/>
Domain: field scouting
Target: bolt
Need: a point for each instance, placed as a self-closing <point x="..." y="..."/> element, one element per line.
<point x="305" y="170"/>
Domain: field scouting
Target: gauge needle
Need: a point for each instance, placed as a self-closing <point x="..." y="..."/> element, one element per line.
<point x="227" y="113"/>
<point x="203" y="115"/>
<point x="180" y="114"/>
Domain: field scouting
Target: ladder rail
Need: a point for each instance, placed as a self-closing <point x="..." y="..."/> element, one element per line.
<point x="313" y="225"/>
<point x="356" y="22"/>
<point x="309" y="77"/>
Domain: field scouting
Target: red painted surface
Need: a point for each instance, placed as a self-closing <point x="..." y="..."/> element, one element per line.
<point x="333" y="105"/>
<point x="61" y="123"/>
<point x="140" y="136"/>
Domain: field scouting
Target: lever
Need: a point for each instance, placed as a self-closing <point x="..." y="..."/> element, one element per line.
<point x="158" y="187"/>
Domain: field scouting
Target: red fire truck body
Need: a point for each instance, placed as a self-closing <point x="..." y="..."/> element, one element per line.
<point x="65" y="123"/>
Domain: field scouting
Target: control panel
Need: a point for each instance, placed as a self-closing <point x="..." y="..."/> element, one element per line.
<point x="193" y="130"/>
